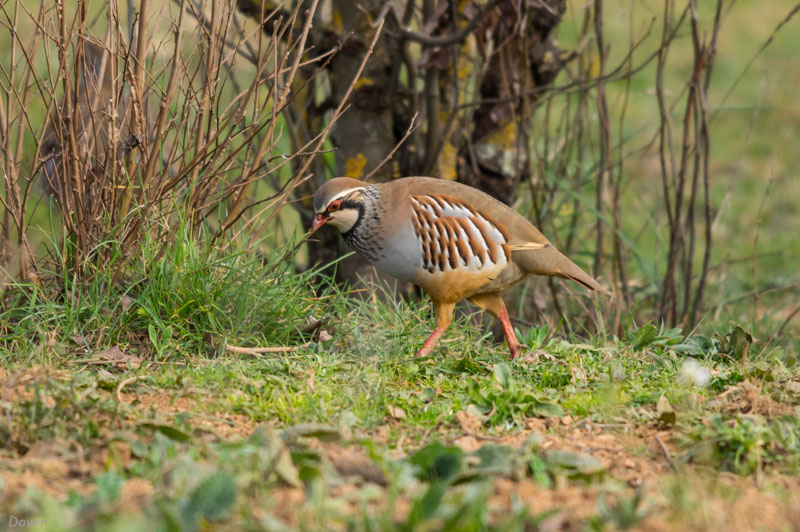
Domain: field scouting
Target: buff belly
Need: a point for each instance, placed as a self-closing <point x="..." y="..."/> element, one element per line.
<point x="453" y="286"/>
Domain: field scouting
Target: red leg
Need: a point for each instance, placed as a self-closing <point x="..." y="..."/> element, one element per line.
<point x="493" y="304"/>
<point x="430" y="343"/>
<point x="511" y="338"/>
<point x="444" y="316"/>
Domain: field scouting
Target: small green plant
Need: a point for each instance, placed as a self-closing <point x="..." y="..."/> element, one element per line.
<point x="622" y="514"/>
<point x="650" y="335"/>
<point x="505" y="401"/>
<point x="745" y="443"/>
<point x="536" y="336"/>
<point x="210" y="501"/>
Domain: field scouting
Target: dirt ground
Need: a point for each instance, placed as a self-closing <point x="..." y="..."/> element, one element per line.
<point x="636" y="459"/>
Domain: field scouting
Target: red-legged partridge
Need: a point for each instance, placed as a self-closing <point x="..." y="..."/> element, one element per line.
<point x="452" y="240"/>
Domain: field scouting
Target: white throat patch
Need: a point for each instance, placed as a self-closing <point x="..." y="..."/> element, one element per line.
<point x="344" y="219"/>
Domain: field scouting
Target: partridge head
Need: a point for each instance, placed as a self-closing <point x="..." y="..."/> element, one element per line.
<point x="453" y="241"/>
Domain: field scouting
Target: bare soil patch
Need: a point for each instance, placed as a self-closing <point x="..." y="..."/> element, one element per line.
<point x="223" y="424"/>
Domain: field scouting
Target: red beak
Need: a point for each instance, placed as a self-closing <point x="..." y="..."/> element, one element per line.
<point x="319" y="221"/>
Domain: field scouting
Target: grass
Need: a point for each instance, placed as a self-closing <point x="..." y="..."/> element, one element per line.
<point x="121" y="407"/>
<point x="349" y="430"/>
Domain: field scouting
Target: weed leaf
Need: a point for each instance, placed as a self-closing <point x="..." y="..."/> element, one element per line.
<point x="169" y="431"/>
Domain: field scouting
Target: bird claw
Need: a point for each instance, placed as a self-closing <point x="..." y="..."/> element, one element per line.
<point x="515" y="349"/>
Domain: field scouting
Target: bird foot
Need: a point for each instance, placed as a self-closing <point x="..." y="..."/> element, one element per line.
<point x="515" y="349"/>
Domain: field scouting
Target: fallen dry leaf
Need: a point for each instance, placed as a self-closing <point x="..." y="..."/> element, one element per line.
<point x="118" y="357"/>
<point x="80" y="340"/>
<point x="125" y="302"/>
<point x="396" y="412"/>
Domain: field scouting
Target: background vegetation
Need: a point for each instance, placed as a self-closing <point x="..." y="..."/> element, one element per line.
<point x="173" y="351"/>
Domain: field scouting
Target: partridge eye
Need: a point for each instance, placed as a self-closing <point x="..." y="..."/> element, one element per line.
<point x="334" y="206"/>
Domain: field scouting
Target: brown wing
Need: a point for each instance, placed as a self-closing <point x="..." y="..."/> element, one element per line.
<point x="453" y="235"/>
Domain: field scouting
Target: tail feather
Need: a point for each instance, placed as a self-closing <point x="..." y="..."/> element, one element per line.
<point x="588" y="282"/>
<point x="550" y="261"/>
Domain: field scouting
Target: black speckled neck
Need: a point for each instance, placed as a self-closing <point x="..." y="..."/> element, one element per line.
<point x="365" y="235"/>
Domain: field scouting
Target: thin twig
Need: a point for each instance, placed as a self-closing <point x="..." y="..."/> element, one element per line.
<point x="663" y="446"/>
<point x="411" y="127"/>
<point x="124" y="383"/>
<point x="453" y="38"/>
<point x="256" y="351"/>
<point x="340" y="109"/>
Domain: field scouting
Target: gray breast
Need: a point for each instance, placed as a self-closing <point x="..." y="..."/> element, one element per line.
<point x="401" y="255"/>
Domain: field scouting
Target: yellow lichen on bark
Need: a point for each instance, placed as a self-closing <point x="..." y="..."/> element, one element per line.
<point x="447" y="161"/>
<point x="505" y="138"/>
<point x="501" y="147"/>
<point x="354" y="166"/>
<point x="460" y="78"/>
<point x="338" y="27"/>
<point x="364" y="81"/>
